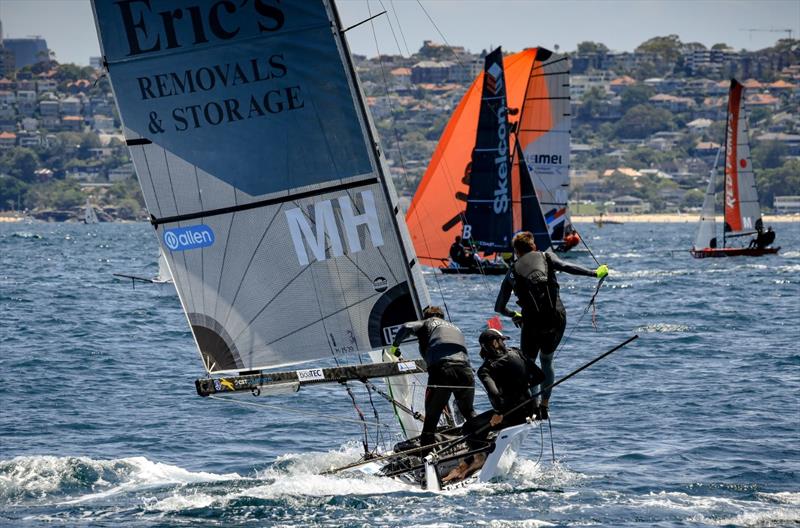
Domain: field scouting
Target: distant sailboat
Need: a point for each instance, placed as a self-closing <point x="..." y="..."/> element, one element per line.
<point x="260" y="166"/>
<point x="536" y="82"/>
<point x="89" y="215"/>
<point x="742" y="210"/>
<point x="162" y="277"/>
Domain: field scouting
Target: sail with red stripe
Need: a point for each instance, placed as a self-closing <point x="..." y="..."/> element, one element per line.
<point x="742" y="212"/>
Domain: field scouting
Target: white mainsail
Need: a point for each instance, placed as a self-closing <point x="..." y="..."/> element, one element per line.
<point x="164" y="275"/>
<point x="707" y="232"/>
<point x="259" y="166"/>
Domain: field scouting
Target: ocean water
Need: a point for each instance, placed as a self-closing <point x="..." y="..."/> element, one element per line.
<point x="696" y="423"/>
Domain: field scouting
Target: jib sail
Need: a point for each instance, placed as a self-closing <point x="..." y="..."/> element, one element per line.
<point x="256" y="158"/>
<point x="544" y="134"/>
<point x="742" y="212"/>
<point x="707" y="232"/>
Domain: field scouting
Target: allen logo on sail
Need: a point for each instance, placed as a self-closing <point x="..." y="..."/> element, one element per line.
<point x="183" y="238"/>
<point x="324" y="237"/>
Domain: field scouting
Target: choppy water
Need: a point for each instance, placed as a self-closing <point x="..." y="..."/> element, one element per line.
<point x="697" y="423"/>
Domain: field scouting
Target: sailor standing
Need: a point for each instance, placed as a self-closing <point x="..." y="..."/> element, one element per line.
<point x="543" y="319"/>
<point x="442" y="346"/>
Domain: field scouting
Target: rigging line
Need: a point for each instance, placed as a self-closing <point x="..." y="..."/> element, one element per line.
<point x="284" y="408"/>
<point x="389" y="20"/>
<point x="399" y="26"/>
<point x="402" y="159"/>
<point x="440" y="33"/>
<point x="375" y="414"/>
<point x="583" y="314"/>
<point x="364" y="442"/>
<point x="552" y="444"/>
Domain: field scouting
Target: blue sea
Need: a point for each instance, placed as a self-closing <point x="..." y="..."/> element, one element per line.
<point x="696" y="423"/>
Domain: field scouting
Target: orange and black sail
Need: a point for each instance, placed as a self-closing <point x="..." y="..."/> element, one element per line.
<point x="537" y="85"/>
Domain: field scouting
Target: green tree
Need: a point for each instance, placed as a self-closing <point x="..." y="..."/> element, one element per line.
<point x="588" y="46"/>
<point x="784" y="180"/>
<point x="635" y="95"/>
<point x="768" y="154"/>
<point x="22" y="163"/>
<point x="693" y="198"/>
<point x="56" y="194"/>
<point x="12" y="192"/>
<point x="642" y="120"/>
<point x="592" y="102"/>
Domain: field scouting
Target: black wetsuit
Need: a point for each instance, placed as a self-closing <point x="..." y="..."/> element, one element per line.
<point x="767" y="239"/>
<point x="540" y="334"/>
<point x="442" y="346"/>
<point x="508" y="379"/>
<point x="458" y="254"/>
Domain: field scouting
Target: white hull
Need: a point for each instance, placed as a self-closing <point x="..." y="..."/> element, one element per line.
<point x="498" y="463"/>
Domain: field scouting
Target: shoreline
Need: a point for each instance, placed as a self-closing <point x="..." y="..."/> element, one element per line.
<point x="672" y="218"/>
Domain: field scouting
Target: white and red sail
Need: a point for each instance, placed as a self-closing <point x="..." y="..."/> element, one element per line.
<point x="742" y="212"/>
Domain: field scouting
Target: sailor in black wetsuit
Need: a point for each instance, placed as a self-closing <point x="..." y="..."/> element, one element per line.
<point x="508" y="376"/>
<point x="767" y="239"/>
<point x="460" y="255"/>
<point x="442" y="346"/>
<point x="543" y="319"/>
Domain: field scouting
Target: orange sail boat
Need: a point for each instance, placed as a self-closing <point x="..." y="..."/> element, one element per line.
<point x="508" y="136"/>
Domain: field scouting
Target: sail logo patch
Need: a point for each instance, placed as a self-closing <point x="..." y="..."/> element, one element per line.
<point x="495" y="79"/>
<point x="183" y="238"/>
<point x="321" y="232"/>
<point x="310" y="375"/>
<point x="405" y="366"/>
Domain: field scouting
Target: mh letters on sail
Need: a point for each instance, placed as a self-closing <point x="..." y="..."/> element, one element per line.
<point x="325" y="236"/>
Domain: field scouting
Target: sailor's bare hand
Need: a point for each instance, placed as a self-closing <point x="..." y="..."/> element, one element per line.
<point x="496" y="419"/>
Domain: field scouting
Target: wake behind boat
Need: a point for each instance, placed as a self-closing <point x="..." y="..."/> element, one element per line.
<point x="742" y="210"/>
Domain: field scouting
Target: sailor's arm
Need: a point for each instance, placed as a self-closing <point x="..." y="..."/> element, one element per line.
<point x="412" y="327"/>
<point x="574" y="269"/>
<point x="495" y="398"/>
<point x="500" y="305"/>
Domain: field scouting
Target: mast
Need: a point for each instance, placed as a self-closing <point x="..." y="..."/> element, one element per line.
<point x="409" y="259"/>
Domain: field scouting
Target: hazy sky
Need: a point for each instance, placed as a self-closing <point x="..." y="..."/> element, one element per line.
<point x="476" y="24"/>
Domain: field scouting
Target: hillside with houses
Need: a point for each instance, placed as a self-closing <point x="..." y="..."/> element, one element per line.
<point x="646" y="125"/>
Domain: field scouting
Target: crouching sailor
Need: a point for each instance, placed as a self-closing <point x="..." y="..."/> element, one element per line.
<point x="442" y="346"/>
<point x="508" y="376"/>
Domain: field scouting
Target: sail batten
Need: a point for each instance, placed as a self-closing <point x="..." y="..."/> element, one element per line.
<point x="258" y="164"/>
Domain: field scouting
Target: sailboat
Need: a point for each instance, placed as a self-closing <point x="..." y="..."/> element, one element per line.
<point x="89" y="215"/>
<point x="742" y="210"/>
<point x="260" y="167"/>
<point x="162" y="277"/>
<point x="534" y="84"/>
